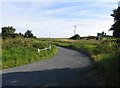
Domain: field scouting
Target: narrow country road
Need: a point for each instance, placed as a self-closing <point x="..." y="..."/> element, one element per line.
<point x="67" y="68"/>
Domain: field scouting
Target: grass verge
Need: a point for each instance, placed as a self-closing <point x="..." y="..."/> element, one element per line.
<point x="104" y="53"/>
<point x="16" y="52"/>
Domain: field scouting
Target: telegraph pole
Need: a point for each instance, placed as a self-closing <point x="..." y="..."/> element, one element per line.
<point x="49" y="34"/>
<point x="75" y="29"/>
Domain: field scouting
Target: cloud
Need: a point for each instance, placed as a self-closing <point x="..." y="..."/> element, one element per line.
<point x="60" y="0"/>
<point x="58" y="19"/>
<point x="62" y="28"/>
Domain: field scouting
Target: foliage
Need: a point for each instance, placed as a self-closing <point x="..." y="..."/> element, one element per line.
<point x="103" y="34"/>
<point x="75" y="37"/>
<point x="19" y="51"/>
<point x="40" y="45"/>
<point x="105" y="54"/>
<point x="28" y="34"/>
<point x="116" y="26"/>
<point x="8" y="31"/>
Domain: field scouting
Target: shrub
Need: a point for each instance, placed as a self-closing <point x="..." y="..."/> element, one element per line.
<point x="14" y="53"/>
<point x="75" y="37"/>
<point x="40" y="45"/>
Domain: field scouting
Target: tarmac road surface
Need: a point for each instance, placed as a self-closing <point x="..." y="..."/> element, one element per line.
<point x="66" y="68"/>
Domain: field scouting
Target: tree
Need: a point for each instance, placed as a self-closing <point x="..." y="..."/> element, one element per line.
<point x="8" y="31"/>
<point x="75" y="37"/>
<point x="20" y="34"/>
<point x="116" y="26"/>
<point x="28" y="34"/>
<point x="103" y="34"/>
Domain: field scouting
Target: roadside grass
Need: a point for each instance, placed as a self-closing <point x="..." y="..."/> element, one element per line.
<point x="107" y="67"/>
<point x="19" y="51"/>
<point x="105" y="54"/>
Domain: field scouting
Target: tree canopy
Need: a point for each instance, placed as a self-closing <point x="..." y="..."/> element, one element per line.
<point x="75" y="37"/>
<point x="28" y="34"/>
<point x="8" y="31"/>
<point x="103" y="34"/>
<point x="116" y="26"/>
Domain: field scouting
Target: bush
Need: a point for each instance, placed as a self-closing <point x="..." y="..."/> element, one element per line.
<point x="75" y="37"/>
<point x="40" y="45"/>
<point x="16" y="52"/>
<point x="106" y="55"/>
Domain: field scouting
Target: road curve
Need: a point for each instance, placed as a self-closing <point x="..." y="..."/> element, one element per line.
<point x="66" y="68"/>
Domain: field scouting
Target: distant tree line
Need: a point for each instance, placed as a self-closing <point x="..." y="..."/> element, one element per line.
<point x="10" y="32"/>
<point x="103" y="34"/>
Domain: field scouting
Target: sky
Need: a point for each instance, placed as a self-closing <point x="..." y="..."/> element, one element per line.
<point x="57" y="18"/>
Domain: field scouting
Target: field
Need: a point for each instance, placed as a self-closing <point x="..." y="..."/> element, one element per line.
<point x="105" y="53"/>
<point x="19" y="51"/>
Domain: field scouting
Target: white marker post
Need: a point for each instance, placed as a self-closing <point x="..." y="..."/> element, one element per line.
<point x="38" y="50"/>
